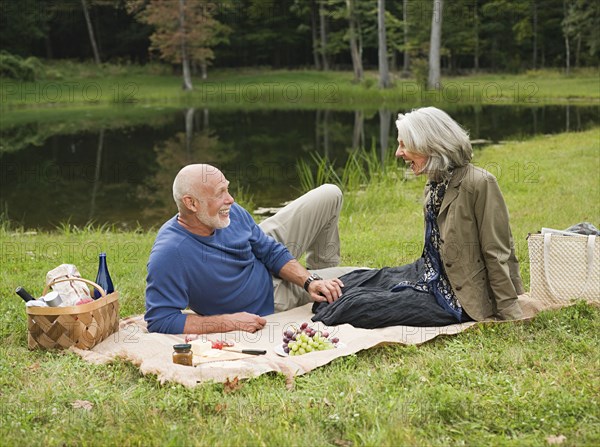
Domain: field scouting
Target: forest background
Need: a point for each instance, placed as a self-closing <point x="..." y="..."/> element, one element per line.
<point x="396" y="37"/>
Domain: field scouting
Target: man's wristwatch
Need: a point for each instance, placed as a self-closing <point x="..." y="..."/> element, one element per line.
<point x="310" y="279"/>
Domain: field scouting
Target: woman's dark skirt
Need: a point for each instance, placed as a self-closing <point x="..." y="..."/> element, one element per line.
<point x="367" y="301"/>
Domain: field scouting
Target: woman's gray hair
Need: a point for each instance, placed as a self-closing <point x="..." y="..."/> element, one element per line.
<point x="431" y="132"/>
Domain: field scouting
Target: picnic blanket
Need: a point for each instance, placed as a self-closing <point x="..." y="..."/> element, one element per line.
<point x="152" y="352"/>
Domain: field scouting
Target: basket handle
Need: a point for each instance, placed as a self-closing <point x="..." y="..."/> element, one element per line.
<point x="92" y="283"/>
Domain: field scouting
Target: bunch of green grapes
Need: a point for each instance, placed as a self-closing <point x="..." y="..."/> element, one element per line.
<point x="298" y="341"/>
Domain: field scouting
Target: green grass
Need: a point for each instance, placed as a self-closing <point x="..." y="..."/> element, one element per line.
<point x="84" y="86"/>
<point x="511" y="384"/>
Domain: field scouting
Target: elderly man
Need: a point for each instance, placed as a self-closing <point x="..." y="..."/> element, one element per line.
<point x="213" y="258"/>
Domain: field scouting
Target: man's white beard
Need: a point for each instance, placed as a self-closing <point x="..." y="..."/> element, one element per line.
<point x="214" y="222"/>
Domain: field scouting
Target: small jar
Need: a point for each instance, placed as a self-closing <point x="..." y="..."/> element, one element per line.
<point x="182" y="354"/>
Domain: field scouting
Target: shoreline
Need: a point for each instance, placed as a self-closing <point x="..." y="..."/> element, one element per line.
<point x="279" y="89"/>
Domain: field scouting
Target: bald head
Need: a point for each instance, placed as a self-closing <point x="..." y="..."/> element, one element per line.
<point x="193" y="180"/>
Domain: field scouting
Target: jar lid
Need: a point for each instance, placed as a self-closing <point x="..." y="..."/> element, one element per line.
<point x="182" y="347"/>
<point x="52" y="299"/>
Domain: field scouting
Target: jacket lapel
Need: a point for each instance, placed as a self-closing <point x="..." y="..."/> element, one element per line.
<point x="452" y="191"/>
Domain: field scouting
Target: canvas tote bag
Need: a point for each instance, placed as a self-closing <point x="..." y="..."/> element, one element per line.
<point x="564" y="267"/>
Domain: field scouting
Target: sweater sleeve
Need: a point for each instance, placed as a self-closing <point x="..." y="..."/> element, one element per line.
<point x="165" y="295"/>
<point x="271" y="253"/>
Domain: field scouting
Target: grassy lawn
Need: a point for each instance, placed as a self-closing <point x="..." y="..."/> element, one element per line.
<point x="88" y="87"/>
<point x="512" y="384"/>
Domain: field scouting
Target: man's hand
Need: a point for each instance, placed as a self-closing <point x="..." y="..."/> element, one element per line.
<point x="244" y="321"/>
<point x="241" y="321"/>
<point x="320" y="289"/>
<point x="325" y="290"/>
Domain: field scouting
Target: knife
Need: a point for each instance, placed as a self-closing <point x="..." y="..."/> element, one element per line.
<point x="246" y="351"/>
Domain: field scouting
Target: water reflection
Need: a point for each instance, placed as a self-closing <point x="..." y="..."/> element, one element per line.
<point x="97" y="174"/>
<point x="120" y="171"/>
<point x="193" y="145"/>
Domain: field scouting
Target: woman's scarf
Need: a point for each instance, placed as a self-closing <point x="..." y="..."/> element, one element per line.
<point x="434" y="279"/>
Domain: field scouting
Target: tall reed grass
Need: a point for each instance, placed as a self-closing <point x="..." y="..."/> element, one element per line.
<point x="362" y="167"/>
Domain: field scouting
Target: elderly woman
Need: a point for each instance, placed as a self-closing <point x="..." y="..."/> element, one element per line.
<point x="468" y="269"/>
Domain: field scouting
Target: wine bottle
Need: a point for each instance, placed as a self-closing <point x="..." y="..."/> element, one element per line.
<point x="24" y="294"/>
<point x="103" y="277"/>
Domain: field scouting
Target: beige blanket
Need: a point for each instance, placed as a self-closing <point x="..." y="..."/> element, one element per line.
<point x="153" y="352"/>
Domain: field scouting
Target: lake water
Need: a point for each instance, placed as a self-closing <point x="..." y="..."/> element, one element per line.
<point x="119" y="171"/>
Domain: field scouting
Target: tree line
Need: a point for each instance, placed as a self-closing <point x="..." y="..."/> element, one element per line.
<point x="407" y="37"/>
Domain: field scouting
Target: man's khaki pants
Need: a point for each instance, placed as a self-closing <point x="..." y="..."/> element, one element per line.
<point x="308" y="225"/>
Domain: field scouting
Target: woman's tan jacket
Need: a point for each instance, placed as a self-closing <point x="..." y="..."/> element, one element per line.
<point x="477" y="246"/>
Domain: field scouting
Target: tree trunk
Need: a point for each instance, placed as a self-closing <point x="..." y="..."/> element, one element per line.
<point x="568" y="54"/>
<point x="543" y="63"/>
<point x="357" y="66"/>
<point x="384" y="72"/>
<point x="204" y="69"/>
<point x="476" y="28"/>
<point x="578" y="50"/>
<point x="393" y="61"/>
<point x="90" y="31"/>
<point x="566" y="25"/>
<point x="185" y="63"/>
<point x="535" y="36"/>
<point x="48" y="45"/>
<point x="323" y="29"/>
<point x="315" y="37"/>
<point x="433" y="81"/>
<point x="360" y="39"/>
<point x="406" y="63"/>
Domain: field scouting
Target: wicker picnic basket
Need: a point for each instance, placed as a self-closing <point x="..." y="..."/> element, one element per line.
<point x="82" y="326"/>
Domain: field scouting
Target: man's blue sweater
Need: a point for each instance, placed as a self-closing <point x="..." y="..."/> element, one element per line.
<point x="226" y="272"/>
